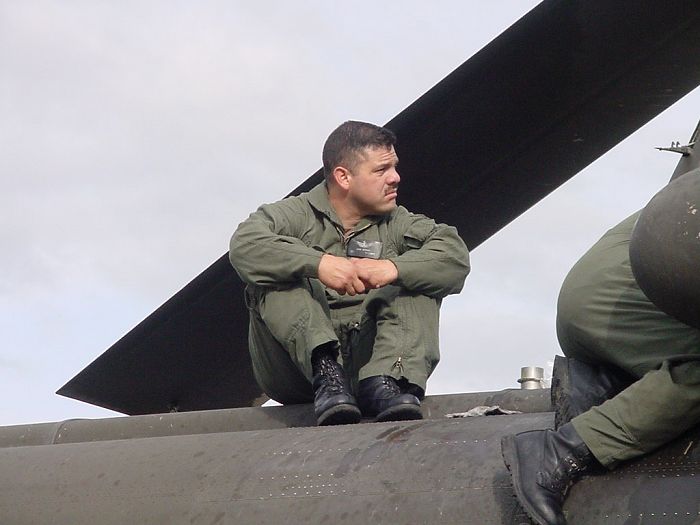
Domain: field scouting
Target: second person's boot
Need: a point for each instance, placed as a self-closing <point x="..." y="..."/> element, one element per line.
<point x="543" y="465"/>
<point x="577" y="386"/>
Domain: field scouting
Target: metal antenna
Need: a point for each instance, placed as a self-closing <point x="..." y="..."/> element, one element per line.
<point x="677" y="148"/>
<point x="690" y="159"/>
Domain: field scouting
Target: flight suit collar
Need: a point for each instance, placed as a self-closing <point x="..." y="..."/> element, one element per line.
<point x="318" y="198"/>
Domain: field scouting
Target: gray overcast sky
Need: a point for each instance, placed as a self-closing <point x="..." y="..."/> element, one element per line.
<point x="135" y="136"/>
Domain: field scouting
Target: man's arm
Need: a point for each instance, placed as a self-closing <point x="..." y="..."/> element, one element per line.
<point x="267" y="249"/>
<point x="433" y="259"/>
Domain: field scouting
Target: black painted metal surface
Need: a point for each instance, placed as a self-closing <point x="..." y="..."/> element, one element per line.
<point x="546" y="98"/>
<point x="658" y="489"/>
<point x="241" y="419"/>
<point x="665" y="244"/>
<point x="446" y="471"/>
<point x="424" y="472"/>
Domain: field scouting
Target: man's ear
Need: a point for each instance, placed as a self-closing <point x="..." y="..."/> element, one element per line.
<point x="341" y="176"/>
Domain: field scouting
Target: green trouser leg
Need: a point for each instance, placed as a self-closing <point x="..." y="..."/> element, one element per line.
<point x="285" y="326"/>
<point x="663" y="404"/>
<point x="391" y="332"/>
<point x="397" y="336"/>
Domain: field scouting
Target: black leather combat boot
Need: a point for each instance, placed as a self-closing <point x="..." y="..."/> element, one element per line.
<point x="543" y="465"/>
<point x="381" y="396"/>
<point x="333" y="402"/>
<point x="410" y="388"/>
<point x="578" y="386"/>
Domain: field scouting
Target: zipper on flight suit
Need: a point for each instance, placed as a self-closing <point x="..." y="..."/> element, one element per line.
<point x="353" y="327"/>
<point x="346" y="236"/>
<point x="398" y="364"/>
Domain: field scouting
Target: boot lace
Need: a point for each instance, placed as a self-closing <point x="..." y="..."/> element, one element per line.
<point x="570" y="469"/>
<point x="391" y="385"/>
<point x="332" y="373"/>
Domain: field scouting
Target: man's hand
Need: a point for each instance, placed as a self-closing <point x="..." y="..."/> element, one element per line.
<point x="375" y="273"/>
<point x="340" y="274"/>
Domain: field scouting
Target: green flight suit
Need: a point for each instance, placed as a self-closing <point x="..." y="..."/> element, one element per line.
<point x="604" y="317"/>
<point x="388" y="331"/>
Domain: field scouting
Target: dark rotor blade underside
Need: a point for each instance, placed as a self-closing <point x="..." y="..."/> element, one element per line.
<point x="562" y="86"/>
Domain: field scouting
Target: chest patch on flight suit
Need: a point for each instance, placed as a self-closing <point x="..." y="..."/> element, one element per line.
<point x="365" y="249"/>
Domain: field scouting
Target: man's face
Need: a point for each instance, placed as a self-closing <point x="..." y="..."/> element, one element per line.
<point x="374" y="181"/>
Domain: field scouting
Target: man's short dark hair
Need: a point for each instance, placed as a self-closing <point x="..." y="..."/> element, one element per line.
<point x="348" y="140"/>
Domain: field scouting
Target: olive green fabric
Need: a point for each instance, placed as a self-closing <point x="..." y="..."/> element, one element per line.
<point x="392" y="330"/>
<point x="282" y="243"/>
<point x="391" y="333"/>
<point x="604" y="317"/>
<point x="641" y="418"/>
<point x="285" y="325"/>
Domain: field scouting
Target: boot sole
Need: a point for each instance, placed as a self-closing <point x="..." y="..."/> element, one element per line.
<point x="344" y="414"/>
<point x="510" y="458"/>
<point x="400" y="413"/>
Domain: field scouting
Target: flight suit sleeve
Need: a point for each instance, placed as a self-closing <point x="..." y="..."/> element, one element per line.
<point x="433" y="259"/>
<point x="266" y="249"/>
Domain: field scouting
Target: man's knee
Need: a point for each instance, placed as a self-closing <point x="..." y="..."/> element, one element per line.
<point x="393" y="301"/>
<point x="288" y="310"/>
<point x="286" y="325"/>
